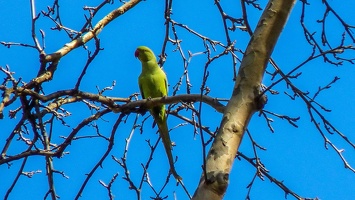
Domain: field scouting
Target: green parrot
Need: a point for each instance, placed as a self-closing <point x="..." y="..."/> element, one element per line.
<point x="153" y="83"/>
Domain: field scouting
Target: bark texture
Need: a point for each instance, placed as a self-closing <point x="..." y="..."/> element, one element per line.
<point x="244" y="101"/>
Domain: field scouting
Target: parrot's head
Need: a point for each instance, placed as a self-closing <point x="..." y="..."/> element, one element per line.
<point x="144" y="54"/>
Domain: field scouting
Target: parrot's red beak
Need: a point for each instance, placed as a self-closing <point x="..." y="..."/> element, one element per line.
<point x="136" y="53"/>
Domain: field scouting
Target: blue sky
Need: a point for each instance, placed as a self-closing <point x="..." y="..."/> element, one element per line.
<point x="295" y="156"/>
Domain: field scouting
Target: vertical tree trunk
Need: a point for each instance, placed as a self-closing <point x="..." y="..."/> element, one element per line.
<point x="244" y="101"/>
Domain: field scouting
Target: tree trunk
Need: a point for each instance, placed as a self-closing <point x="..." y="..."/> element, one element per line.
<point x="244" y="101"/>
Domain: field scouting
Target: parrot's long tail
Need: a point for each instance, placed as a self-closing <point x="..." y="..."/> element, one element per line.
<point x="164" y="134"/>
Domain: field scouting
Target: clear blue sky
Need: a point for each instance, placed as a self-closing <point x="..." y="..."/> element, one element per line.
<point x="295" y="156"/>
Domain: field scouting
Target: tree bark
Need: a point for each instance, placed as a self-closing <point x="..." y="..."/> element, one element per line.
<point x="244" y="101"/>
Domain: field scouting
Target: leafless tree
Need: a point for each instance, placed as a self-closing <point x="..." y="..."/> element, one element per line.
<point x="43" y="125"/>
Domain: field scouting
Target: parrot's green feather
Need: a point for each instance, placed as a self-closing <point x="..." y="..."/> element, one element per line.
<point x="153" y="83"/>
